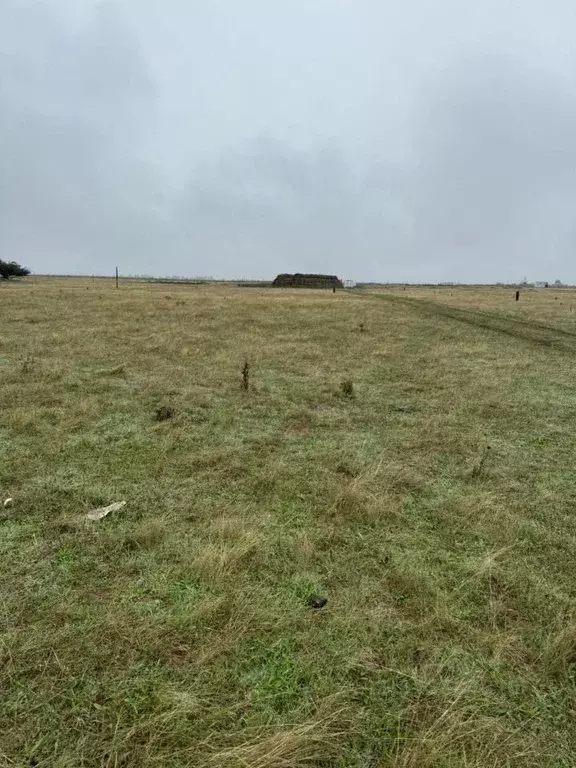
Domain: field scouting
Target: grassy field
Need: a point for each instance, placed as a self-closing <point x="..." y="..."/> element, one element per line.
<point x="409" y="455"/>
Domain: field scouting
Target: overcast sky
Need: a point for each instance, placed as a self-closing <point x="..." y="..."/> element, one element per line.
<point x="428" y="140"/>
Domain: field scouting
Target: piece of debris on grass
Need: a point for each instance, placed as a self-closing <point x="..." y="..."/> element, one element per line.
<point x="164" y="412"/>
<point x="101" y="512"/>
<point x="8" y="503"/>
<point x="317" y="602"/>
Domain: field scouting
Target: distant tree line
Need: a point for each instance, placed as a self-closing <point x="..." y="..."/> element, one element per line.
<point x="10" y="269"/>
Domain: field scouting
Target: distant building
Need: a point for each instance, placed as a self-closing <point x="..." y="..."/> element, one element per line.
<point x="300" y="280"/>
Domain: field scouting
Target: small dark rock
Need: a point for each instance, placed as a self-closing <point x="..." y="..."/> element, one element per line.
<point x="164" y="412"/>
<point x="32" y="763"/>
<point x="317" y="602"/>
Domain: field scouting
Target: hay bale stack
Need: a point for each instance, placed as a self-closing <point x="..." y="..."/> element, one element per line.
<point x="300" y="280"/>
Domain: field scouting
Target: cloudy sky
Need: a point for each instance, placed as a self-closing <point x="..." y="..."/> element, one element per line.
<point x="428" y="140"/>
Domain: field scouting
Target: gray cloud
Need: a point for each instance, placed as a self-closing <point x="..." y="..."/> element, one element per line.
<point x="213" y="141"/>
<point x="495" y="179"/>
<point x="74" y="196"/>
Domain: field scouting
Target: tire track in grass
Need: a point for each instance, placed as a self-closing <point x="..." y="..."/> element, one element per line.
<point x="525" y="330"/>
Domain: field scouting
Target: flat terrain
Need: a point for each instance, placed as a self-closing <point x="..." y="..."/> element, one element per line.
<point x="409" y="455"/>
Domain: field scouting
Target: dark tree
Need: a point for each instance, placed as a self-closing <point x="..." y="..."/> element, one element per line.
<point x="10" y="269"/>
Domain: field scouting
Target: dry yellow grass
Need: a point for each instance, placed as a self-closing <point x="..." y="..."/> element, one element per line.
<point x="554" y="305"/>
<point x="432" y="505"/>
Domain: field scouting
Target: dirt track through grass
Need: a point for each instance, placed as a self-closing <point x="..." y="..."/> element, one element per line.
<point x="525" y="329"/>
<point x="432" y="504"/>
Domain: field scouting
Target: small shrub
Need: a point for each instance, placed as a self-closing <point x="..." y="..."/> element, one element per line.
<point x="347" y="387"/>
<point x="164" y="412"/>
<point x="246" y="376"/>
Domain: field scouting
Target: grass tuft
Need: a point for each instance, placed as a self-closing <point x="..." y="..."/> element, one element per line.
<point x="164" y="413"/>
<point x="347" y="388"/>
